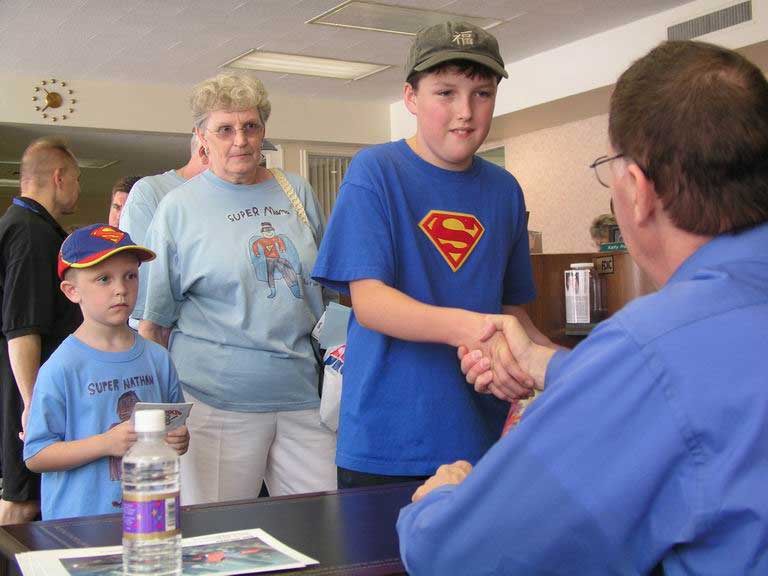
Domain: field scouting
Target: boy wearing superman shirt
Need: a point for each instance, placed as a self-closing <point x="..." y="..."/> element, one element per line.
<point x="79" y="424"/>
<point x="427" y="238"/>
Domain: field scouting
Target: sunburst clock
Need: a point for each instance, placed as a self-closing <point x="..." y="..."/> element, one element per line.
<point x="54" y="100"/>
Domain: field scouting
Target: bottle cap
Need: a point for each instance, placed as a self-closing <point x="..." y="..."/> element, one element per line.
<point x="149" y="421"/>
<point x="582" y="265"/>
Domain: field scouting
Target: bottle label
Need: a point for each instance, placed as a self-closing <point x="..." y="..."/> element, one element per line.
<point x="151" y="516"/>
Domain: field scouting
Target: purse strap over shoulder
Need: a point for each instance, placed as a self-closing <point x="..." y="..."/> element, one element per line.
<point x="291" y="193"/>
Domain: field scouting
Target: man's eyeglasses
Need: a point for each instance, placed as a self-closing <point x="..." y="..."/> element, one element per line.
<point x="602" y="167"/>
<point x="227" y="132"/>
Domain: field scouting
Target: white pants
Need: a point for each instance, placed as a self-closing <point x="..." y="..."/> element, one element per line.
<point x="230" y="453"/>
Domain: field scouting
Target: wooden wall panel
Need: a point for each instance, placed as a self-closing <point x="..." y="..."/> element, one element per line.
<point x="548" y="310"/>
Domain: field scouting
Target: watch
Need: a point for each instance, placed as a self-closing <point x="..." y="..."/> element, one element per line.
<point x="54" y="100"/>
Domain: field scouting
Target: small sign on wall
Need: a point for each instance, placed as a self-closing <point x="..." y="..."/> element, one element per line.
<point x="604" y="264"/>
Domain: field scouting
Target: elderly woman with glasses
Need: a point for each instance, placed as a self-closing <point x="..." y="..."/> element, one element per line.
<point x="235" y="246"/>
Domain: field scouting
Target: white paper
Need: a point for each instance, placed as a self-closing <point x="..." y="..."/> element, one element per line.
<point x="175" y="414"/>
<point x="227" y="553"/>
<point x="318" y="329"/>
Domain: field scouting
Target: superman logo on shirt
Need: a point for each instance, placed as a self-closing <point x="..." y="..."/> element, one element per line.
<point x="454" y="234"/>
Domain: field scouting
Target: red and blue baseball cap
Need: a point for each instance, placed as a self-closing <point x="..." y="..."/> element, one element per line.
<point x="88" y="246"/>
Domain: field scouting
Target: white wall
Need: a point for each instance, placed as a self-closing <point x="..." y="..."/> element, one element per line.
<point x="598" y="60"/>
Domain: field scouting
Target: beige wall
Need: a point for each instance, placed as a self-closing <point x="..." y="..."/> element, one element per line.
<point x="561" y="192"/>
<point x="154" y="108"/>
<point x="549" y="148"/>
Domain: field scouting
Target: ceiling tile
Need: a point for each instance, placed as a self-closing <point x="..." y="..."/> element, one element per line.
<point x="184" y="41"/>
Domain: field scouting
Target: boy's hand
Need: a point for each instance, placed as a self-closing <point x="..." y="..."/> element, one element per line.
<point x="178" y="439"/>
<point x="476" y="367"/>
<point x="119" y="439"/>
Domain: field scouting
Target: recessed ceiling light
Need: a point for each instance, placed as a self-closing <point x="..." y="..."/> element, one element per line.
<point x="388" y="18"/>
<point x="9" y="183"/>
<point x="304" y="65"/>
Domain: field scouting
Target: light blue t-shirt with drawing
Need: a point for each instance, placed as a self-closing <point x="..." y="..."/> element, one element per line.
<point x="232" y="276"/>
<point x="136" y="215"/>
<point x="81" y="392"/>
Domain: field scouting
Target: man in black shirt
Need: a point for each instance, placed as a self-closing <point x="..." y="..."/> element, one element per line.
<point x="35" y="316"/>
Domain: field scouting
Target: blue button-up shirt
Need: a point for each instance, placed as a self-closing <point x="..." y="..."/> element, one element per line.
<point x="649" y="444"/>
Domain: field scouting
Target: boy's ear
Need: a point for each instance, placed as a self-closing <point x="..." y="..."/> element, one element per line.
<point x="70" y="291"/>
<point x="409" y="98"/>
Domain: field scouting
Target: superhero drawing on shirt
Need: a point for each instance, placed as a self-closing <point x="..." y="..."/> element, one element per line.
<point x="274" y="257"/>
<point x="125" y="405"/>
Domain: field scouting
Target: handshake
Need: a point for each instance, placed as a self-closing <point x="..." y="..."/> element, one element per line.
<point x="507" y="359"/>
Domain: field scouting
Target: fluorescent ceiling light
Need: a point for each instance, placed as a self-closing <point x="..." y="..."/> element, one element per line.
<point x="393" y="19"/>
<point x="9" y="183"/>
<point x="95" y="163"/>
<point x="305" y="65"/>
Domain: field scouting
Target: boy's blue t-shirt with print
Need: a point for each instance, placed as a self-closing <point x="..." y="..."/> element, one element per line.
<point x="452" y="239"/>
<point x="81" y="392"/>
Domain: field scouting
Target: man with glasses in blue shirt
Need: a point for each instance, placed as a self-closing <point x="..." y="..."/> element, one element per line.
<point x="649" y="445"/>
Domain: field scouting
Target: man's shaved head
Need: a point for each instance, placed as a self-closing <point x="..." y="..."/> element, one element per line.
<point x="42" y="157"/>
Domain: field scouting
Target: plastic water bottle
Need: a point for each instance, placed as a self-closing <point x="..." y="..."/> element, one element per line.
<point x="151" y="513"/>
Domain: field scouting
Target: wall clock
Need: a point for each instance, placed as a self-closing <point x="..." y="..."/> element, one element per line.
<point x="54" y="99"/>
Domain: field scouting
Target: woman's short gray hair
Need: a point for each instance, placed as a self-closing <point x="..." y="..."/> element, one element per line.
<point x="230" y="92"/>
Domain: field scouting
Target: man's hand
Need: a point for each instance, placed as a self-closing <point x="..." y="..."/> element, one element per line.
<point x="178" y="439"/>
<point x="492" y="368"/>
<point x="484" y="370"/>
<point x="447" y="474"/>
<point x="119" y="439"/>
<point x="510" y="380"/>
<point x="24" y="418"/>
<point x="24" y="356"/>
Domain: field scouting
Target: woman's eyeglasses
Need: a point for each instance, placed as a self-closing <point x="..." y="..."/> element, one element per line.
<point x="227" y="132"/>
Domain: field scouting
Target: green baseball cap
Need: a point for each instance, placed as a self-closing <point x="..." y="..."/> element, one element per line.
<point x="454" y="41"/>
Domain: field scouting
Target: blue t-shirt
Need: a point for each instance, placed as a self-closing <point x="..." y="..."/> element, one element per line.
<point x="137" y="214"/>
<point x="454" y="239"/>
<point x="81" y="392"/>
<point x="648" y="445"/>
<point x="232" y="277"/>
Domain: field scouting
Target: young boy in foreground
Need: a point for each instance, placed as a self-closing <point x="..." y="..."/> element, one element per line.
<point x="427" y="238"/>
<point x="79" y="425"/>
